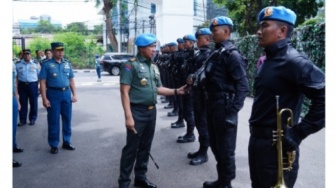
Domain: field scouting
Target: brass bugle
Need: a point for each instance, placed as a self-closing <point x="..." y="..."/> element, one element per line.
<point x="290" y="155"/>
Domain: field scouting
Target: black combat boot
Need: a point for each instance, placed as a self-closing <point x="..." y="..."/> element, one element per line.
<point x="173" y="113"/>
<point x="178" y="124"/>
<point x="211" y="184"/>
<point x="169" y="105"/>
<point x="201" y="156"/>
<point x="189" y="137"/>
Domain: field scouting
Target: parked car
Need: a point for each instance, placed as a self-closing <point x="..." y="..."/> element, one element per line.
<point x="112" y="62"/>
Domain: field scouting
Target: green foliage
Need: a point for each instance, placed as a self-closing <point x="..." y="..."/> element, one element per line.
<point x="38" y="43"/>
<point x="16" y="49"/>
<point x="244" y="12"/>
<point x="78" y="27"/>
<point x="79" y="49"/>
<point x="44" y="26"/>
<point x="27" y="31"/>
<point x="248" y="46"/>
<point x="98" y="29"/>
<point x="74" y="48"/>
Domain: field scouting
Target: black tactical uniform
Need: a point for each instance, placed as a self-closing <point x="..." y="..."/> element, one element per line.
<point x="173" y="71"/>
<point x="198" y="94"/>
<point x="187" y="99"/>
<point x="177" y="72"/>
<point x="226" y="86"/>
<point x="290" y="75"/>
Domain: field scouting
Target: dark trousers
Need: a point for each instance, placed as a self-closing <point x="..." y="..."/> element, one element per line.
<point x="61" y="105"/>
<point x="222" y="140"/>
<point x="200" y="117"/>
<point x="134" y="151"/>
<point x="264" y="164"/>
<point x="98" y="72"/>
<point x="15" y="118"/>
<point x="28" y="92"/>
<point x="188" y="113"/>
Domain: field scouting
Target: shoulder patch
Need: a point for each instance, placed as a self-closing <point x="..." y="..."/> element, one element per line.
<point x="66" y="61"/>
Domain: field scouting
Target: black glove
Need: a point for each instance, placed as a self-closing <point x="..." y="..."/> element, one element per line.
<point x="231" y="119"/>
<point x="290" y="140"/>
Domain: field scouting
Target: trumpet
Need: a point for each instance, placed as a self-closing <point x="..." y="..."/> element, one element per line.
<point x="291" y="154"/>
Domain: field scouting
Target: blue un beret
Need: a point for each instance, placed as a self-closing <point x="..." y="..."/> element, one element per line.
<point x="145" y="39"/>
<point x="57" y="45"/>
<point x="172" y="44"/>
<point x="189" y="37"/>
<point x="279" y="13"/>
<point x="180" y="40"/>
<point x="202" y="31"/>
<point x="220" y="20"/>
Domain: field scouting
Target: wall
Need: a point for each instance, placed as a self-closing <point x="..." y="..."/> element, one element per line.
<point x="174" y="19"/>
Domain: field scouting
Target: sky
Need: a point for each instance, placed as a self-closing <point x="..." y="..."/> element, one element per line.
<point x="59" y="10"/>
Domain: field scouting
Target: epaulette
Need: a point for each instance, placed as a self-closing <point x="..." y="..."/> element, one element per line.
<point x="65" y="60"/>
<point x="133" y="59"/>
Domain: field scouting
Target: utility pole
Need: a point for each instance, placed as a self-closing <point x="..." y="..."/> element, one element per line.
<point x="120" y="30"/>
<point x="204" y="11"/>
<point x="135" y="24"/>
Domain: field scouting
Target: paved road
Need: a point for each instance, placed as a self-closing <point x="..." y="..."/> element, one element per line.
<point x="99" y="135"/>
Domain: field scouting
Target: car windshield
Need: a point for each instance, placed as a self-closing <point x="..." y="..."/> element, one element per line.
<point x="122" y="57"/>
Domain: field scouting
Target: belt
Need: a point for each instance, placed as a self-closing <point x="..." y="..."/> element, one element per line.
<point x="59" y="88"/>
<point x="262" y="132"/>
<point x="27" y="83"/>
<point x="147" y="107"/>
<point x="220" y="95"/>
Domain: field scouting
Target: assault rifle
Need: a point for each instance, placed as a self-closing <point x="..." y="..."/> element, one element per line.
<point x="199" y="75"/>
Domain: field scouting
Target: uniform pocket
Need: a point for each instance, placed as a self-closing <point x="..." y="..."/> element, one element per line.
<point x="143" y="75"/>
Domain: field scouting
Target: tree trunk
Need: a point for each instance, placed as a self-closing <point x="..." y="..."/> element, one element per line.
<point x="110" y="31"/>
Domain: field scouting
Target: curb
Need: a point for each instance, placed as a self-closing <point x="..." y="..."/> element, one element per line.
<point x="84" y="71"/>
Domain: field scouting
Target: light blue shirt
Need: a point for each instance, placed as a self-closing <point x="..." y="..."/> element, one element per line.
<point x="14" y="77"/>
<point x="27" y="72"/>
<point x="97" y="63"/>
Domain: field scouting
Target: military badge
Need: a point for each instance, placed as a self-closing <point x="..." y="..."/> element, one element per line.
<point x="128" y="67"/>
<point x="268" y="11"/>
<point x="214" y="22"/>
<point x="143" y="81"/>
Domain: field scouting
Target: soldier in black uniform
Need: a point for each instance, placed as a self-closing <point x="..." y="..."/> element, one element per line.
<point x="187" y="101"/>
<point x="226" y="88"/>
<point x="163" y="63"/>
<point x="178" y="59"/>
<point x="203" y="37"/>
<point x="172" y="99"/>
<point x="290" y="75"/>
<point x="171" y="50"/>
